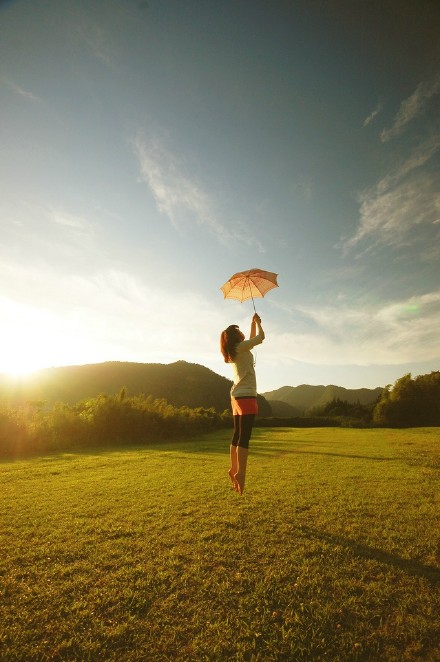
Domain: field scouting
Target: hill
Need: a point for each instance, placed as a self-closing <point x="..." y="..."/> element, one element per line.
<point x="304" y="397"/>
<point x="281" y="409"/>
<point x="180" y="383"/>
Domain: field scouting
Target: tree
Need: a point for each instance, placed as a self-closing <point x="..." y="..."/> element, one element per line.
<point x="348" y="413"/>
<point x="410" y="402"/>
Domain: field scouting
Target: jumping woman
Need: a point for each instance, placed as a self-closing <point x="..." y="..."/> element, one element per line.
<point x="237" y="351"/>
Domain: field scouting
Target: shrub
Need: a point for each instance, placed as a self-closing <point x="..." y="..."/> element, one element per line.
<point x="346" y="414"/>
<point x="104" y="420"/>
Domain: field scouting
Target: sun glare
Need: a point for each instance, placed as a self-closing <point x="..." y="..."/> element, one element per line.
<point x="34" y="339"/>
<point x="19" y="370"/>
<point x="20" y="360"/>
<point x="29" y="342"/>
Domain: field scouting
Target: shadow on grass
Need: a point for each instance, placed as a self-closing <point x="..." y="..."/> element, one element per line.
<point x="205" y="446"/>
<point x="272" y="449"/>
<point x="184" y="445"/>
<point x="410" y="566"/>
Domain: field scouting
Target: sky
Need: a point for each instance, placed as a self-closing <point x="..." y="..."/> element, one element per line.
<point x="151" y="149"/>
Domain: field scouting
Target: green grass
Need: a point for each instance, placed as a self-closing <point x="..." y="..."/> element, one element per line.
<point x="146" y="554"/>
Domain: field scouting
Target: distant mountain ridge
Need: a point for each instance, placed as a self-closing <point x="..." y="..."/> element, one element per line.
<point x="295" y="400"/>
<point x="180" y="383"/>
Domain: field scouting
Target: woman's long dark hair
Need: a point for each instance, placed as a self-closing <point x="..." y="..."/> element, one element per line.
<point x="229" y="339"/>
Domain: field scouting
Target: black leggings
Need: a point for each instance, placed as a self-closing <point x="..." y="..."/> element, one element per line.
<point x="242" y="430"/>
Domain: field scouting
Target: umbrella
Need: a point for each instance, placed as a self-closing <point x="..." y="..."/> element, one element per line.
<point x="249" y="284"/>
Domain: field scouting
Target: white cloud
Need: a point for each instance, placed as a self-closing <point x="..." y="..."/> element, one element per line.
<point x="406" y="198"/>
<point x="52" y="319"/>
<point x="68" y="220"/>
<point x="24" y="94"/>
<point x="178" y="196"/>
<point x="411" y="107"/>
<point x="389" y="217"/>
<point x="419" y="157"/>
<point x="43" y="232"/>
<point x="96" y="38"/>
<point x="396" y="333"/>
<point x="76" y="227"/>
<point x="75" y="230"/>
<point x="373" y="114"/>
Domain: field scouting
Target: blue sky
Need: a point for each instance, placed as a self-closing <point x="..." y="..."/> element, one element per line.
<point x="152" y="149"/>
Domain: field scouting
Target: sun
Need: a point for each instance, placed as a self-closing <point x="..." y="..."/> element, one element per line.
<point x="34" y="343"/>
<point x="25" y="348"/>
<point x="19" y="364"/>
<point x="17" y="371"/>
<point x="34" y="339"/>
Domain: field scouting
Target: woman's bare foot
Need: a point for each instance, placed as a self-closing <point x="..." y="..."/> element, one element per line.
<point x="231" y="474"/>
<point x="239" y="480"/>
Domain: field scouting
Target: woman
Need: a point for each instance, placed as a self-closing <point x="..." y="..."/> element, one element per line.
<point x="237" y="350"/>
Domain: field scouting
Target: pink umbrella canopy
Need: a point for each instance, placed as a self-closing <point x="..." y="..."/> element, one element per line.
<point x="250" y="284"/>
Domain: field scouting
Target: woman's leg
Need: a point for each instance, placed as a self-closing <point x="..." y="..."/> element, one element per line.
<point x="245" y="430"/>
<point x="233" y="452"/>
<point x="234" y="465"/>
<point x="242" y="457"/>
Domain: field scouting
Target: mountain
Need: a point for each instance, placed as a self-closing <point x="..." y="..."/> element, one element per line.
<point x="304" y="397"/>
<point x="281" y="409"/>
<point x="180" y="383"/>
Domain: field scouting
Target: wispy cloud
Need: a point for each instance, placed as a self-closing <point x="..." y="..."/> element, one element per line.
<point x="395" y="333"/>
<point x="373" y="114"/>
<point x="74" y="227"/>
<point x="419" y="157"/>
<point x="59" y="319"/>
<point x="411" y="107"/>
<point x="388" y="217"/>
<point x="406" y="198"/>
<point x="39" y="232"/>
<point x="96" y="39"/>
<point x="179" y="196"/>
<point x="21" y="92"/>
<point x="68" y="220"/>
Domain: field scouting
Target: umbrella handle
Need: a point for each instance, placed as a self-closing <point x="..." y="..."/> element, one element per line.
<point x="250" y="291"/>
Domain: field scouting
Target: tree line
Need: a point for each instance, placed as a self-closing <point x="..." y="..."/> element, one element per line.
<point x="101" y="421"/>
<point x="409" y="403"/>
<point x="120" y="419"/>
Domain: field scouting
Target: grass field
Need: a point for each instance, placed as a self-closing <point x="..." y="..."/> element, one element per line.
<point x="332" y="553"/>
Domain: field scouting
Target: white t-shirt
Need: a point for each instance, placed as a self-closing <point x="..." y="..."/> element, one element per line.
<point x="245" y="383"/>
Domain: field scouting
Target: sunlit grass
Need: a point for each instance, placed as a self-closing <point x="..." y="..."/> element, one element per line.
<point x="146" y="554"/>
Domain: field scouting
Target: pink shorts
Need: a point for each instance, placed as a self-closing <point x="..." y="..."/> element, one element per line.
<point x="244" y="406"/>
